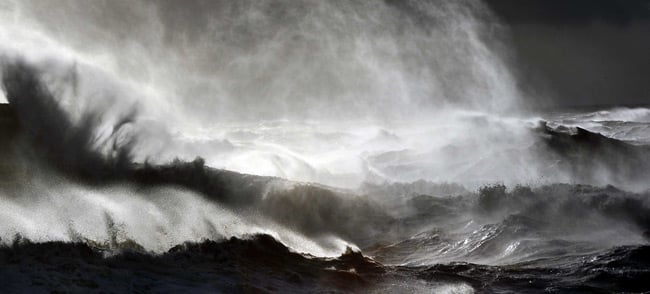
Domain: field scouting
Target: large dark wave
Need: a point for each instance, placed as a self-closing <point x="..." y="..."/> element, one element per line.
<point x="257" y="264"/>
<point x="261" y="264"/>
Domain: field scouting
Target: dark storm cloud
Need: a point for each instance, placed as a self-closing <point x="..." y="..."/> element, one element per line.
<point x="571" y="11"/>
<point x="580" y="52"/>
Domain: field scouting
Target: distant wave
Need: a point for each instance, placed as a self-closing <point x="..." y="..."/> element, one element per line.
<point x="593" y="157"/>
<point x="631" y="125"/>
<point x="619" y="114"/>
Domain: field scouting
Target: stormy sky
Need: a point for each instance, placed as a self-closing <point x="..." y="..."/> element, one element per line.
<point x="580" y="52"/>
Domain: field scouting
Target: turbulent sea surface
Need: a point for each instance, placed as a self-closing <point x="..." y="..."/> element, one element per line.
<point x="304" y="146"/>
<point x="107" y="224"/>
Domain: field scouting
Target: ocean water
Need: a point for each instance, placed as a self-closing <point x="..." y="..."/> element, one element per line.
<point x="303" y="146"/>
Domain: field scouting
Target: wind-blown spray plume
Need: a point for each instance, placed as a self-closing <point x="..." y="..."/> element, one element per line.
<point x="67" y="145"/>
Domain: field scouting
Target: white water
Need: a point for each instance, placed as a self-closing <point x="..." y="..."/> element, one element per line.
<point x="335" y="92"/>
<point x="157" y="220"/>
<point x="304" y="90"/>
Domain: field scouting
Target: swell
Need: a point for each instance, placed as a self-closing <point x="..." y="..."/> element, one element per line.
<point x="259" y="263"/>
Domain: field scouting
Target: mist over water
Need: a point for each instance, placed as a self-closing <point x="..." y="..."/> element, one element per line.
<point x="308" y="59"/>
<point x="218" y="81"/>
<point x="397" y="128"/>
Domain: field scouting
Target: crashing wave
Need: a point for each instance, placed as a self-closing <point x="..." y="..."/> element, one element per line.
<point x="408" y="227"/>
